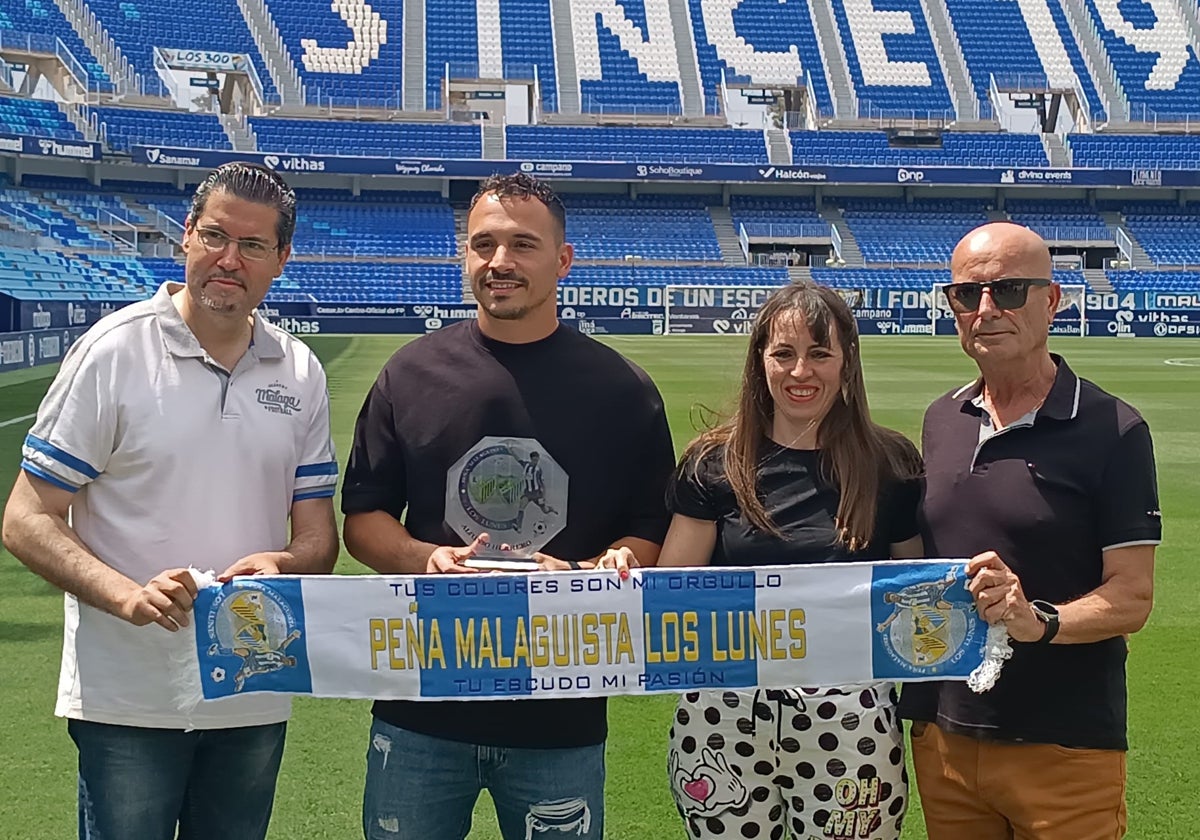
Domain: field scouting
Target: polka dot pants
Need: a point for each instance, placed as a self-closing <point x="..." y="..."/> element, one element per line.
<point x="805" y="763"/>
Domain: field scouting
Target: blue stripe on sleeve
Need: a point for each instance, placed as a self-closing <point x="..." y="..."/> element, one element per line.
<point x="64" y="458"/>
<point x="33" y="469"/>
<point x="309" y="470"/>
<point x="323" y="493"/>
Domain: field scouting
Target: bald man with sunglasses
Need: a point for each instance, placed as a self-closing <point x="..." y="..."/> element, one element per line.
<point x="1048" y="484"/>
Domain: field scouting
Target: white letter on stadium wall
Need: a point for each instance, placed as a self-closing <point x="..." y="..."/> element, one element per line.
<point x="369" y="30"/>
<point x="767" y="68"/>
<point x="1167" y="38"/>
<point x="654" y="51"/>
<point x="867" y="28"/>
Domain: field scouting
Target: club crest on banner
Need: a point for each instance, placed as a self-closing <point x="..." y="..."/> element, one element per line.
<point x="509" y="488"/>
<point x="925" y="625"/>
<point x="252" y="639"/>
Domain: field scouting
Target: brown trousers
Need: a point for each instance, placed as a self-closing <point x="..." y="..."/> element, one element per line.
<point x="989" y="790"/>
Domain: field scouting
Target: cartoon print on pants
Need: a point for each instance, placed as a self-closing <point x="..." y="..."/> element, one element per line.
<point x="710" y="788"/>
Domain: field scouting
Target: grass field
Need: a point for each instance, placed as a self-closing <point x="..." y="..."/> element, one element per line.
<point x="320" y="786"/>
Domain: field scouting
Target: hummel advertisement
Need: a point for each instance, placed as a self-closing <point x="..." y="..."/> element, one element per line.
<point x="19" y="144"/>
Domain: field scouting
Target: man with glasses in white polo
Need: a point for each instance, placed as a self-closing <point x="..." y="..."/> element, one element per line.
<point x="1048" y="484"/>
<point x="182" y="431"/>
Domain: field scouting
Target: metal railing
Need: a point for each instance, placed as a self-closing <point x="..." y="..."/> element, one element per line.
<point x="868" y="110"/>
<point x="795" y="230"/>
<point x="1124" y="244"/>
<point x="1071" y="233"/>
<point x="6" y="74"/>
<point x="1186" y="121"/>
<point x="316" y="97"/>
<point x="835" y="238"/>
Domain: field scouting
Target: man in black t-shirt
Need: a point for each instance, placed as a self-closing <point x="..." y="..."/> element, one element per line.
<point x="516" y="430"/>
<point x="1048" y="483"/>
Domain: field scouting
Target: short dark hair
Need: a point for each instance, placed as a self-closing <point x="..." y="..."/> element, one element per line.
<point x="250" y="182"/>
<point x="520" y="185"/>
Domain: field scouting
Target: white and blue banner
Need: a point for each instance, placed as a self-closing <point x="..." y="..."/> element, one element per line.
<point x="573" y="634"/>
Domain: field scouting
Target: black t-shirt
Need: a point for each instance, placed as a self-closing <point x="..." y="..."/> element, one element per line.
<point x="1049" y="498"/>
<point x="597" y="415"/>
<point x="800" y="503"/>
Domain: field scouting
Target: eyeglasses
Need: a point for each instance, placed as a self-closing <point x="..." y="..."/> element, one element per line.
<point x="1007" y="293"/>
<point x="214" y="240"/>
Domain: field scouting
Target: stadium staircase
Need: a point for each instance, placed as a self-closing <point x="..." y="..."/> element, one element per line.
<point x="1191" y="15"/>
<point x="1097" y="280"/>
<point x="1056" y="151"/>
<point x="800" y="274"/>
<point x="689" y="67"/>
<point x="414" y="56"/>
<point x="564" y="57"/>
<point x="493" y="142"/>
<point x="107" y="53"/>
<point x="275" y="53"/>
<point x="1100" y="66"/>
<point x="779" y="150"/>
<point x="241" y="135"/>
<point x="1138" y="258"/>
<point x="851" y="253"/>
<point x="949" y="51"/>
<point x="75" y="116"/>
<point x="727" y="238"/>
<point x="837" y="70"/>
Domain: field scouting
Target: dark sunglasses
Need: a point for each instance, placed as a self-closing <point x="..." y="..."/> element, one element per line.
<point x="1008" y="293"/>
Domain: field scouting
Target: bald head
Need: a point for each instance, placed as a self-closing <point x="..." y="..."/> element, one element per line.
<point x="1000" y="249"/>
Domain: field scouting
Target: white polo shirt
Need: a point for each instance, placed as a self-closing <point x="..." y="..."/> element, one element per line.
<point x="174" y="462"/>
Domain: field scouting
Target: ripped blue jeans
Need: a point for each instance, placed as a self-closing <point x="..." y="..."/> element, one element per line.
<point x="424" y="788"/>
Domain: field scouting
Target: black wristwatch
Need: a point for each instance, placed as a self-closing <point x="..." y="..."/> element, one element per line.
<point x="1046" y="613"/>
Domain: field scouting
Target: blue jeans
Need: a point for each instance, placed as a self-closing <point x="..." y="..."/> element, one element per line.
<point x="424" y="788"/>
<point x="137" y="783"/>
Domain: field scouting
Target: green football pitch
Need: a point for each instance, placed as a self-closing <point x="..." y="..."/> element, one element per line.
<point x="320" y="786"/>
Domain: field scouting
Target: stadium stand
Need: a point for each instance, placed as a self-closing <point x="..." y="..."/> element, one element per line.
<point x="777" y="217"/>
<point x="1015" y="59"/>
<point x="412" y="225"/>
<point x="870" y="148"/>
<point x="528" y="41"/>
<point x="637" y="145"/>
<point x="1153" y="57"/>
<point x="1132" y="151"/>
<point x="363" y="282"/>
<point x="1060" y="220"/>
<point x="39" y="23"/>
<point x="922" y="232"/>
<point x="124" y="127"/>
<point x="611" y="80"/>
<point x="22" y="210"/>
<point x="657" y="275"/>
<point x="37" y="117"/>
<point x="33" y="275"/>
<point x="655" y="228"/>
<point x="775" y="29"/>
<point x="1160" y="281"/>
<point x="138" y="26"/>
<point x="1166" y="231"/>
<point x="426" y="140"/>
<point x="897" y="72"/>
<point x="336" y="68"/>
<point x="451" y="36"/>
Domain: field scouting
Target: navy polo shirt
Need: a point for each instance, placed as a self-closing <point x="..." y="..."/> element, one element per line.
<point x="1049" y="496"/>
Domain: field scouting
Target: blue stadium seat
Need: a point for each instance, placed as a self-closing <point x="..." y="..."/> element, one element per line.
<point x="1135" y="151"/>
<point x="870" y="148"/>
<point x="36" y="117"/>
<point x="39" y="23"/>
<point x="770" y="26"/>
<point x="777" y="217"/>
<point x="923" y="232"/>
<point x="1166" y="230"/>
<point x="365" y="282"/>
<point x="137" y="26"/>
<point x="124" y="127"/>
<point x="879" y="92"/>
<point x="399" y="139"/>
<point x="651" y="227"/>
<point x="1014" y="58"/>
<point x="636" y="145"/>
<point x="1060" y="220"/>
<point x="1162" y="79"/>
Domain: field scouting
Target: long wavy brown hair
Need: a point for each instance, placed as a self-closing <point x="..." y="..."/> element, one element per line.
<point x="857" y="455"/>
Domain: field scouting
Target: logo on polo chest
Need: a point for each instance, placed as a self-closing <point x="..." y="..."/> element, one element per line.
<point x="277" y="399"/>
